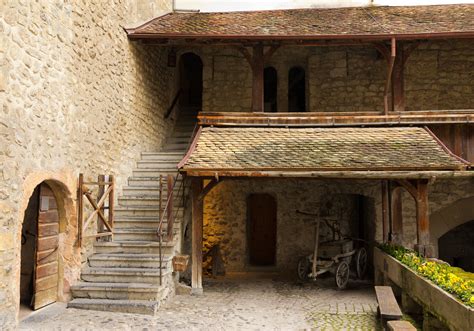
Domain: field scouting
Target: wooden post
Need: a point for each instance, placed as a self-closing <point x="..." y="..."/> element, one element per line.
<point x="398" y="84"/>
<point x="100" y="194"/>
<point x="385" y="211"/>
<point x="170" y="215"/>
<point x="257" y="82"/>
<point x="80" y="209"/>
<point x="197" y="229"/>
<point x="397" y="216"/>
<point x="422" y="220"/>
<point x="111" y="202"/>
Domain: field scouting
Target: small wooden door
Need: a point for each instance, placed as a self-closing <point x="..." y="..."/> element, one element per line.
<point x="262" y="227"/>
<point x="46" y="271"/>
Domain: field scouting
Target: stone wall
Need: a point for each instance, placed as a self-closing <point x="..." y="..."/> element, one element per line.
<point x="75" y="96"/>
<point x="438" y="76"/>
<point x="225" y="216"/>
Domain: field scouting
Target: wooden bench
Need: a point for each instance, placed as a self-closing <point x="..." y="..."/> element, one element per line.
<point x="388" y="306"/>
<point x="400" y="326"/>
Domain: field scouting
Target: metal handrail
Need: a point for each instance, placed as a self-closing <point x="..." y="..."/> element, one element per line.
<point x="169" y="200"/>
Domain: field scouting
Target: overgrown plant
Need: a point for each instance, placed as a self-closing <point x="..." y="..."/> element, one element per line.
<point x="451" y="279"/>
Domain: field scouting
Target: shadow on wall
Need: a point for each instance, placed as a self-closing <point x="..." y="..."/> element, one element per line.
<point x="447" y="219"/>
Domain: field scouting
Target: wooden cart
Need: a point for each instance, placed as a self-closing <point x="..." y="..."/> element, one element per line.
<point x="334" y="256"/>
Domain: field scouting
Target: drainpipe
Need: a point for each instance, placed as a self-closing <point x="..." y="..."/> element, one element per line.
<point x="391" y="63"/>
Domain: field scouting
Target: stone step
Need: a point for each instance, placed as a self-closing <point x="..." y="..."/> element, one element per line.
<point x="176" y="146"/>
<point x="149" y="234"/>
<point x="140" y="173"/>
<point x="143" y="223"/>
<point x="121" y="306"/>
<point x="123" y="275"/>
<point x="145" y="191"/>
<point x="151" y="200"/>
<point x="153" y="181"/>
<point x="162" y="156"/>
<point x="157" y="165"/>
<point x="118" y="291"/>
<point x="143" y="211"/>
<point x="133" y="247"/>
<point x="129" y="261"/>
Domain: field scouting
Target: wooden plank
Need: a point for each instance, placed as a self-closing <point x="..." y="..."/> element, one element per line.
<point x="46" y="269"/>
<point x="49" y="217"/>
<point x="423" y="220"/>
<point x="170" y="214"/>
<point x="46" y="243"/>
<point x="197" y="232"/>
<point x="112" y="201"/>
<point x="48" y="256"/>
<point x="48" y="229"/>
<point x="44" y="298"/>
<point x="80" y="210"/>
<point x="337" y="119"/>
<point x="46" y="283"/>
<point x="397" y="216"/>
<point x="388" y="306"/>
<point x="385" y="211"/>
<point x="400" y="326"/>
<point x="100" y="194"/>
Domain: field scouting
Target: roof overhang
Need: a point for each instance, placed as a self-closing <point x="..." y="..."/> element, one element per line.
<point x="311" y="25"/>
<point x="356" y="153"/>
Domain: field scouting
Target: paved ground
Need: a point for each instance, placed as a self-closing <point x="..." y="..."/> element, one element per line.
<point x="234" y="304"/>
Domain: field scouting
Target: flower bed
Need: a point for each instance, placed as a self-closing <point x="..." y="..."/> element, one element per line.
<point x="453" y="280"/>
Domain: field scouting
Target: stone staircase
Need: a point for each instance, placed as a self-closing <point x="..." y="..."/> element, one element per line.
<point x="123" y="275"/>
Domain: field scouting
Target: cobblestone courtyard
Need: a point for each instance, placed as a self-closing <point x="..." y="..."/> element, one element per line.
<point x="234" y="304"/>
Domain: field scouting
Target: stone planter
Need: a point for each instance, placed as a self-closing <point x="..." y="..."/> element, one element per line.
<point x="432" y="298"/>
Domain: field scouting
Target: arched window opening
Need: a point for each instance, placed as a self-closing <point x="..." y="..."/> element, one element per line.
<point x="296" y="90"/>
<point x="457" y="246"/>
<point x="270" y="89"/>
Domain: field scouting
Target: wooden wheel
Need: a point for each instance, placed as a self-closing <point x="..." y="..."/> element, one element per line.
<point x="361" y="262"/>
<point x="303" y="268"/>
<point x="342" y="275"/>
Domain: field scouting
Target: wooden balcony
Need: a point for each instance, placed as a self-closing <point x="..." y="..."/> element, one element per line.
<point x="337" y="119"/>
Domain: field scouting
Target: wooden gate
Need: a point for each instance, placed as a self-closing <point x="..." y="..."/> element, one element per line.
<point x="46" y="270"/>
<point x="105" y="192"/>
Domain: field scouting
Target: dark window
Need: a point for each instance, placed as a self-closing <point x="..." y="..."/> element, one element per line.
<point x="270" y="89"/>
<point x="296" y="90"/>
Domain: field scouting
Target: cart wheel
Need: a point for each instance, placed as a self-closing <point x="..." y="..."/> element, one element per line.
<point x="342" y="275"/>
<point x="303" y="268"/>
<point x="361" y="262"/>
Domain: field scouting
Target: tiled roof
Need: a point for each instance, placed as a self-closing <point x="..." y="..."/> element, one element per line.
<point x="319" y="149"/>
<point x="313" y="23"/>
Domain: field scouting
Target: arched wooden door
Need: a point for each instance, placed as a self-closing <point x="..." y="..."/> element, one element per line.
<point x="262" y="229"/>
<point x="39" y="253"/>
<point x="46" y="271"/>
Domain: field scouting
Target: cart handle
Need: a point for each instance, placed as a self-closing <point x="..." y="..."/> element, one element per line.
<point x="305" y="213"/>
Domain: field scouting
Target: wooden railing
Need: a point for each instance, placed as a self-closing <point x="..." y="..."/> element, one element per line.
<point x="105" y="192"/>
<point x="173" y="104"/>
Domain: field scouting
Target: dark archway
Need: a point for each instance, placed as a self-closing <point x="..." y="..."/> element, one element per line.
<point x="39" y="249"/>
<point x="270" y="89"/>
<point x="190" y="80"/>
<point x="457" y="246"/>
<point x="297" y="90"/>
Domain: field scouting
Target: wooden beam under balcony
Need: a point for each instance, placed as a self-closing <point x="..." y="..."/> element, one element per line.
<point x="333" y="119"/>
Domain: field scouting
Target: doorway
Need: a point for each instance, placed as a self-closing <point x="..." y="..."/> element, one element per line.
<point x="457" y="246"/>
<point x="191" y="81"/>
<point x="296" y="90"/>
<point x="262" y="229"/>
<point x="39" y="250"/>
<point x="270" y="83"/>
